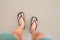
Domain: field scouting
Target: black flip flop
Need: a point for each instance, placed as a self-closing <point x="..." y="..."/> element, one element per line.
<point x="34" y="21"/>
<point x="23" y="16"/>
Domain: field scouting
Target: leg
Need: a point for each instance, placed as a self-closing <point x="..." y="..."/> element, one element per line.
<point x="18" y="32"/>
<point x="35" y="34"/>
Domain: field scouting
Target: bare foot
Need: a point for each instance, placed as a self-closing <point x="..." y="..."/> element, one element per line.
<point x="21" y="19"/>
<point x="33" y="23"/>
<point x="35" y="34"/>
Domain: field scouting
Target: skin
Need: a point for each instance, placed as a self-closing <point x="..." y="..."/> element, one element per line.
<point x="19" y="31"/>
<point x="35" y="34"/>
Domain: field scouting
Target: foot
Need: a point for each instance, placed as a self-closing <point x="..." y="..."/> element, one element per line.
<point x="36" y="35"/>
<point x="21" y="19"/>
<point x="33" y="23"/>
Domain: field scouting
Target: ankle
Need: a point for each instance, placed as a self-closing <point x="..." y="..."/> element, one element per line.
<point x="21" y="27"/>
<point x="33" y="31"/>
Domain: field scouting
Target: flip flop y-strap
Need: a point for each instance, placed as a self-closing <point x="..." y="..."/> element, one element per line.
<point x="21" y="14"/>
<point x="36" y="20"/>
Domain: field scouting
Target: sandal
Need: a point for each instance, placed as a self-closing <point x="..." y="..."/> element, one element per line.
<point x="35" y="20"/>
<point x="21" y="14"/>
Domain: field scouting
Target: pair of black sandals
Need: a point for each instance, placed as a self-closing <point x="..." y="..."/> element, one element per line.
<point x="33" y="19"/>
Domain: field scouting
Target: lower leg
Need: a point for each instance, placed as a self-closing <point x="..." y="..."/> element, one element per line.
<point x="18" y="33"/>
<point x="37" y="35"/>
